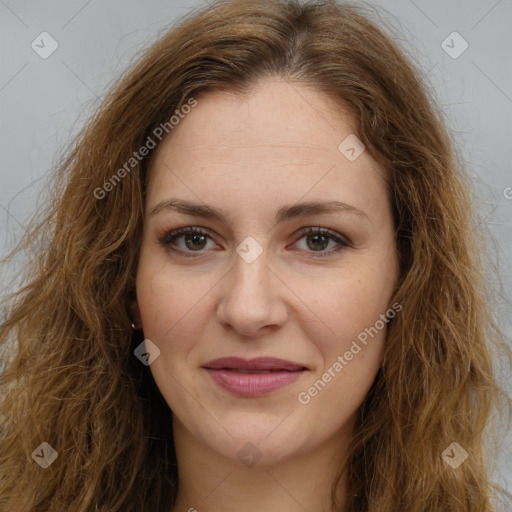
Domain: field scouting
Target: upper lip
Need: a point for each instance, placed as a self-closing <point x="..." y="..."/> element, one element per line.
<point x="258" y="363"/>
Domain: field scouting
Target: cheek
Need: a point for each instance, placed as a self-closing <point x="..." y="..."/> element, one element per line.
<point x="350" y="341"/>
<point x="350" y="338"/>
<point x="344" y="307"/>
<point x="170" y="305"/>
<point x="167" y="301"/>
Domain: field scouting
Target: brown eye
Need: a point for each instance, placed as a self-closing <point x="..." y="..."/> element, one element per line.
<point x="195" y="240"/>
<point x="318" y="240"/>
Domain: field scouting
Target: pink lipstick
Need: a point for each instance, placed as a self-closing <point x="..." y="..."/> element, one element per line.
<point x="254" y="377"/>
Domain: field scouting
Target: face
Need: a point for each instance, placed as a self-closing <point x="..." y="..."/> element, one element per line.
<point x="267" y="277"/>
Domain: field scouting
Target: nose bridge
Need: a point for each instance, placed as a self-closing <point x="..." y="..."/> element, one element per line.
<point x="250" y="273"/>
<point x="250" y="296"/>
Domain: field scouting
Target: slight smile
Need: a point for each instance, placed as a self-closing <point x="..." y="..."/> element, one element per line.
<point x="254" y="377"/>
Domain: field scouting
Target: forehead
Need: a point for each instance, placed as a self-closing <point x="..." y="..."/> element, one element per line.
<point x="272" y="113"/>
<point x="280" y="139"/>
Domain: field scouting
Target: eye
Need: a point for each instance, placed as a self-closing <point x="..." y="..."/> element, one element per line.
<point x="196" y="239"/>
<point x="318" y="240"/>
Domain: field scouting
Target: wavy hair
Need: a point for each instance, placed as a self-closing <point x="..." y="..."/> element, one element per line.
<point x="71" y="378"/>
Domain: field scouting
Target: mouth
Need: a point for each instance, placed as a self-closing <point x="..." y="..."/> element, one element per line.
<point x="257" y="365"/>
<point x="255" y="377"/>
<point x="241" y="370"/>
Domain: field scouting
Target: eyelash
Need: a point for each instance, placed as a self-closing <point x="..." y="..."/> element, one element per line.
<point x="171" y="236"/>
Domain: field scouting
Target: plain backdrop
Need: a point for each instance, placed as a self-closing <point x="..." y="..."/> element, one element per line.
<point x="45" y="101"/>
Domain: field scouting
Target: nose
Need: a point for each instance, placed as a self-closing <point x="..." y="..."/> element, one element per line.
<point x="252" y="298"/>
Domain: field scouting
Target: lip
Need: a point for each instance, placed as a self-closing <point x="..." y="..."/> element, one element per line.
<point x="236" y="375"/>
<point x="258" y="363"/>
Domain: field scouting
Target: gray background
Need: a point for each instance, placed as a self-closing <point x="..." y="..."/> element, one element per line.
<point x="43" y="102"/>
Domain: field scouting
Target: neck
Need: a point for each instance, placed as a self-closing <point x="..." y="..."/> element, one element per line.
<point x="209" y="482"/>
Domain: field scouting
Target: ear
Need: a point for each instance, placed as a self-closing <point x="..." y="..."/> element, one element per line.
<point x="135" y="312"/>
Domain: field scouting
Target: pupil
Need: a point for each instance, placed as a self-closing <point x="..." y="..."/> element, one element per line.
<point x="316" y="237"/>
<point x="194" y="237"/>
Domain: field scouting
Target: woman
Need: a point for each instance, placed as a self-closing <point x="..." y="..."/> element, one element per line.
<point x="261" y="288"/>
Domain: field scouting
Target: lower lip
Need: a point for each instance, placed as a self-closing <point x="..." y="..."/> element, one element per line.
<point x="253" y="384"/>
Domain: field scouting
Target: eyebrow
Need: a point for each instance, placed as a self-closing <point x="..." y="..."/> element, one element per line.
<point x="287" y="212"/>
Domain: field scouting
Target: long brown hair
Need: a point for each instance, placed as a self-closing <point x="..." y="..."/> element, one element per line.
<point x="72" y="379"/>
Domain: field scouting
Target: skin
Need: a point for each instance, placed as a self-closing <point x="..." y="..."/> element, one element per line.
<point x="250" y="157"/>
